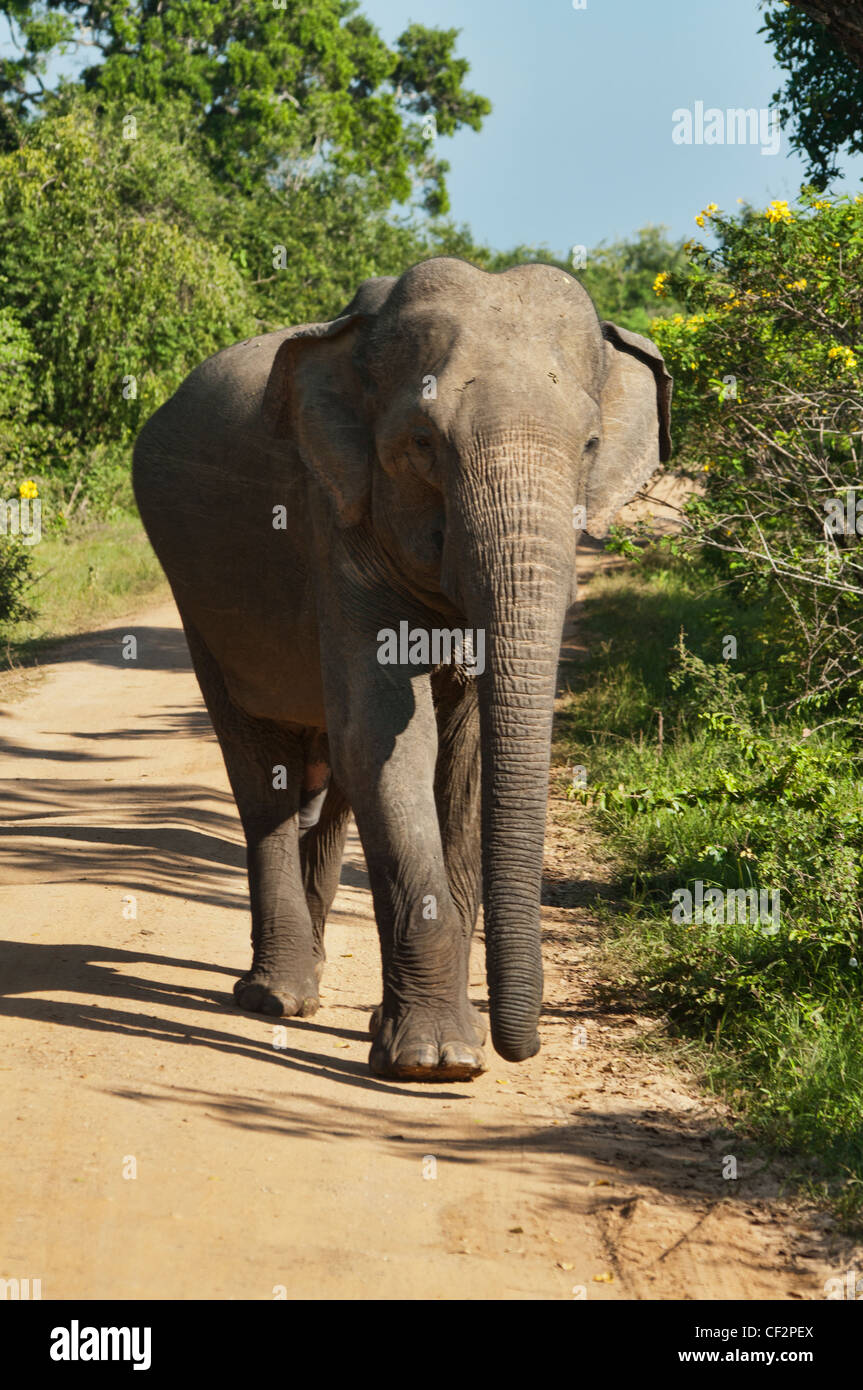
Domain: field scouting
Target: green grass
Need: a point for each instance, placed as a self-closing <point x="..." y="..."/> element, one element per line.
<point x="737" y="796"/>
<point x="82" y="579"/>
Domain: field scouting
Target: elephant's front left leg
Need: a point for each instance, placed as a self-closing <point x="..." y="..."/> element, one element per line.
<point x="383" y="742"/>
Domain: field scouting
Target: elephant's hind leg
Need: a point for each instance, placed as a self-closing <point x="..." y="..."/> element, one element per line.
<point x="265" y="763"/>
<point x="321" y="849"/>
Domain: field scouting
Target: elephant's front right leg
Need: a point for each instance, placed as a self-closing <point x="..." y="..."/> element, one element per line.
<point x="383" y="744"/>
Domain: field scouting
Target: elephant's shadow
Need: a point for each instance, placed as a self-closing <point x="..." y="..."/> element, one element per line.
<point x="107" y="973"/>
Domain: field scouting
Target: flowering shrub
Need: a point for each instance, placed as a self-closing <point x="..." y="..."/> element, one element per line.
<point x="768" y="381"/>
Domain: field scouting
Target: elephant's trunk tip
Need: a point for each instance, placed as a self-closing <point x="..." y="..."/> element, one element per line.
<point x="515" y="1042"/>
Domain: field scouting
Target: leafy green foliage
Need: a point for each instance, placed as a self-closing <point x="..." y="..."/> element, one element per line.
<point x="16" y="577"/>
<point x="737" y="800"/>
<point x="282" y="91"/>
<point x="118" y="305"/>
<point x="768" y="380"/>
<point x="821" y="103"/>
<point x="17" y="393"/>
<point x="18" y="357"/>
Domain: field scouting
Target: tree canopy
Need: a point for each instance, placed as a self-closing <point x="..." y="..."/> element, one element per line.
<point x="820" y="47"/>
<point x="281" y="90"/>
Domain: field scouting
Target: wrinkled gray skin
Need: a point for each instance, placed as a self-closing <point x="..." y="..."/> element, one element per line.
<point x="447" y="512"/>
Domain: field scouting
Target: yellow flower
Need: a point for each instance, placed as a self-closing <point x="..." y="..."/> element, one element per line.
<point x="796" y="284"/>
<point x="28" y="489"/>
<point x="659" y="284"/>
<point x="778" y="211"/>
<point x="821" y="204"/>
<point x="707" y="212"/>
<point x="849" y="358"/>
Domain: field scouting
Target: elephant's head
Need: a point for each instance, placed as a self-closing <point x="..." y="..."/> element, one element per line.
<point x="466" y="418"/>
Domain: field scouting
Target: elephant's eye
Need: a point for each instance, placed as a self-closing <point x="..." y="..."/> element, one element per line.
<point x="592" y="444"/>
<point x="423" y="450"/>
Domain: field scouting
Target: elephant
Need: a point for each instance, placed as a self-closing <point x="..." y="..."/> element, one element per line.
<point x="421" y="464"/>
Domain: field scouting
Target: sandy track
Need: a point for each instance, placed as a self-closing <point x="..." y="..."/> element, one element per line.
<point x="589" y="1171"/>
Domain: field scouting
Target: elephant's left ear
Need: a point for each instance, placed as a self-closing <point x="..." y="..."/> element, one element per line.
<point x="636" y="424"/>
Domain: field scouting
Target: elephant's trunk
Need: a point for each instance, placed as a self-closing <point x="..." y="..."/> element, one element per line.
<point x="520" y="557"/>
<point x="515" y="714"/>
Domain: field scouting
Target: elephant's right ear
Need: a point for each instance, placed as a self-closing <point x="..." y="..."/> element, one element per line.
<point x="314" y="397"/>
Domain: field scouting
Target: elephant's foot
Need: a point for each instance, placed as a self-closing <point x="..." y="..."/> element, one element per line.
<point x="425" y="1043"/>
<point x="479" y="1024"/>
<point x="279" y="994"/>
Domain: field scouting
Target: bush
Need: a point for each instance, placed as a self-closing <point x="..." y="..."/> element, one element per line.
<point x="768" y="378"/>
<point x="16" y="574"/>
<point x="737" y="799"/>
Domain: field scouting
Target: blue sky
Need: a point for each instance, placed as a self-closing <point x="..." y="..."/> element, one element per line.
<point x="578" y="147"/>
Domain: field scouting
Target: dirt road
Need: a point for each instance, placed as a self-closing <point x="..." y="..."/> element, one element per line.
<point x="157" y="1143"/>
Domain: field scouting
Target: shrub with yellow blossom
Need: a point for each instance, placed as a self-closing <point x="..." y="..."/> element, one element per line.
<point x="768" y="367"/>
<point x="778" y="212"/>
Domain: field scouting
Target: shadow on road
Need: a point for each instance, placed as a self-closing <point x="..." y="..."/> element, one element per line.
<point x="108" y="973"/>
<point x="158" y="648"/>
<point x="144" y="839"/>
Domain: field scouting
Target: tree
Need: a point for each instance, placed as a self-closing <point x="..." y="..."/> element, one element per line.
<point x="843" y="22"/>
<point x="107" y="268"/>
<point x="282" y="91"/>
<point x="820" y="46"/>
<point x="218" y="169"/>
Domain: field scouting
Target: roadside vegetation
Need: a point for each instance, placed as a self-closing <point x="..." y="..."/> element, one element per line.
<point x="719" y="714"/>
